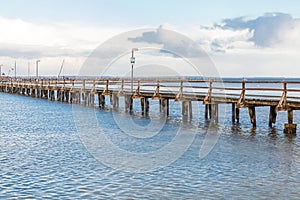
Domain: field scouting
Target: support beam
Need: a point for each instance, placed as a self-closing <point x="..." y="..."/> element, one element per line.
<point x="185" y="107"/>
<point x="290" y="116"/>
<point x="190" y="109"/>
<point x="165" y="106"/>
<point x="206" y="112"/>
<point x="252" y="115"/>
<point x="147" y="106"/>
<point x="143" y="105"/>
<point x="92" y="99"/>
<point x="128" y="104"/>
<point x="272" y="115"/>
<point x="214" y="112"/>
<point x="160" y="106"/>
<point x="290" y="129"/>
<point x="102" y="101"/>
<point x="210" y="111"/>
<point x="233" y="112"/>
<point x="237" y="115"/>
<point x="115" y="101"/>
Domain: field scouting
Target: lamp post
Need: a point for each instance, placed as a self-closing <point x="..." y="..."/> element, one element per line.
<point x="132" y="61"/>
<point x="1" y="69"/>
<point x="15" y="69"/>
<point x="28" y="69"/>
<point x="37" y="68"/>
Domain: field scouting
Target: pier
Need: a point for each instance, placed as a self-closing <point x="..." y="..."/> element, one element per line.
<point x="279" y="96"/>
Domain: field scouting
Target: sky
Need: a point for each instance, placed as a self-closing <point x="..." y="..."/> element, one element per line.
<point x="242" y="38"/>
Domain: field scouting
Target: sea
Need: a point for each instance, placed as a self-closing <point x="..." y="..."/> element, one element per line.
<point x="55" y="150"/>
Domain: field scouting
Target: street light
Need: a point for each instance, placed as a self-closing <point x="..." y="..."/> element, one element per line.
<point x="37" y="68"/>
<point x="132" y="61"/>
<point x="15" y="69"/>
<point x="1" y="69"/>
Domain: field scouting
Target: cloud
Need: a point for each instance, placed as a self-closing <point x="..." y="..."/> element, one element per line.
<point x="262" y="46"/>
<point x="39" y="51"/>
<point x="268" y="30"/>
<point x="172" y="43"/>
<point x="267" y="45"/>
<point x="19" y="38"/>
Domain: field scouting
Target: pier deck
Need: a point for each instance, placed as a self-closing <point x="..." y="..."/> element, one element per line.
<point x="278" y="95"/>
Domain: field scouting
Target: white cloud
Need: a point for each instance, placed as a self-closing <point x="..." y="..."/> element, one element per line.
<point x="265" y="46"/>
<point x="25" y="41"/>
<point x="63" y="37"/>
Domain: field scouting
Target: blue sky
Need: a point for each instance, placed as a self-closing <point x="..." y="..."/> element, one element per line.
<point x="243" y="38"/>
<point x="139" y="13"/>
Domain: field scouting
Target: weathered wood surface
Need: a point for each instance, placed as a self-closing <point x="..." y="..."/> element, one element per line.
<point x="278" y="95"/>
<point x="208" y="91"/>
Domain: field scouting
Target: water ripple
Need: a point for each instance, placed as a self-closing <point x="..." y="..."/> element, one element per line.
<point x="42" y="157"/>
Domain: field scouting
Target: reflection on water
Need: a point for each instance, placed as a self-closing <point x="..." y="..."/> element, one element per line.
<point x="41" y="156"/>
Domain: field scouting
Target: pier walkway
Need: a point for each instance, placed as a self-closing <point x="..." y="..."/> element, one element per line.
<point x="277" y="95"/>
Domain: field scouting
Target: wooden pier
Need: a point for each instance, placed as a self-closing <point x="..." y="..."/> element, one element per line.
<point x="277" y="95"/>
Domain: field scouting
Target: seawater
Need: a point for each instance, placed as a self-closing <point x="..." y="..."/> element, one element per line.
<point x="42" y="156"/>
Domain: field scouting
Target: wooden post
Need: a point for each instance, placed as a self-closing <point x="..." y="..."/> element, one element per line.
<point x="252" y="115"/>
<point x="213" y="110"/>
<point x="185" y="108"/>
<point x="290" y="129"/>
<point x="206" y="112"/>
<point x="168" y="109"/>
<point x="233" y="112"/>
<point x="63" y="95"/>
<point x="215" y="113"/>
<point x="99" y="100"/>
<point x="290" y="116"/>
<point x="45" y="94"/>
<point x="160" y="106"/>
<point x="111" y="100"/>
<point x="128" y="103"/>
<point x="210" y="111"/>
<point x="143" y="105"/>
<point x="147" y="105"/>
<point x="165" y="106"/>
<point x="57" y="95"/>
<point x="237" y="115"/>
<point x="272" y="115"/>
<point x="115" y="100"/>
<point x="102" y="101"/>
<point x="92" y="98"/>
<point x="71" y="94"/>
<point x="190" y="109"/>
